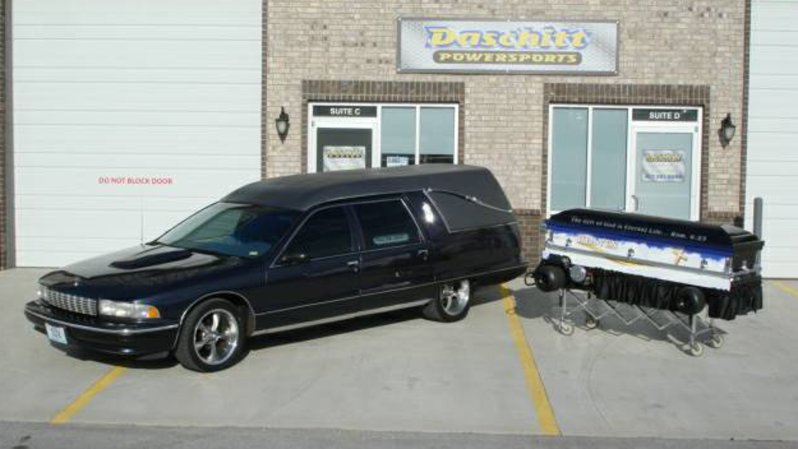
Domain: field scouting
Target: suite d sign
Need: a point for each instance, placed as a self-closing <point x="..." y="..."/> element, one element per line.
<point x="489" y="46"/>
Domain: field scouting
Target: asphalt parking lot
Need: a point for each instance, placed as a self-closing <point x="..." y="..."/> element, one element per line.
<point x="504" y="371"/>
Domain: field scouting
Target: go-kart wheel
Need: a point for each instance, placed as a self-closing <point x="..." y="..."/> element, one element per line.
<point x="696" y="349"/>
<point x="549" y="278"/>
<point x="690" y="300"/>
<point x="716" y="341"/>
<point x="591" y="323"/>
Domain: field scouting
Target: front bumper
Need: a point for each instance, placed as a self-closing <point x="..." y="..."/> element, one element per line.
<point x="91" y="333"/>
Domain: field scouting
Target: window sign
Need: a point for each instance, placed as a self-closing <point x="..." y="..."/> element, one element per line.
<point x="397" y="161"/>
<point x="343" y="157"/>
<point x="663" y="166"/>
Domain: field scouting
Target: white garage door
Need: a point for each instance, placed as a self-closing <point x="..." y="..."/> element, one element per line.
<point x="772" y="134"/>
<point x="128" y="115"/>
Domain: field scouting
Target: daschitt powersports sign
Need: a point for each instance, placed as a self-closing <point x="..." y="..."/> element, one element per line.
<point x="490" y="46"/>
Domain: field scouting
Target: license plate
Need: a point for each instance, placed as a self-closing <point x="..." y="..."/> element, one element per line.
<point x="56" y="333"/>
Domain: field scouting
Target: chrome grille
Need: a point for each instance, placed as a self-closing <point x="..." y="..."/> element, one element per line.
<point x="73" y="303"/>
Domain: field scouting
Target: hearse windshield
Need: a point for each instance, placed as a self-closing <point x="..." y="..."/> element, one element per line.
<point x="232" y="229"/>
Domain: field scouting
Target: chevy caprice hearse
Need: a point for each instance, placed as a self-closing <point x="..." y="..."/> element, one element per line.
<point x="286" y="252"/>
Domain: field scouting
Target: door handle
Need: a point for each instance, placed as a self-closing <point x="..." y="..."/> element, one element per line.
<point x="354" y="265"/>
<point x="636" y="203"/>
<point x="423" y="254"/>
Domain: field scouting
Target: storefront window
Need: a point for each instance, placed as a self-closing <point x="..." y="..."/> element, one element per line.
<point x="639" y="159"/>
<point x="437" y="135"/>
<point x="608" y="159"/>
<point x="569" y="158"/>
<point x="398" y="136"/>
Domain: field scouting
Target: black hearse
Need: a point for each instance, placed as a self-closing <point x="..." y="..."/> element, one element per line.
<point x="286" y="252"/>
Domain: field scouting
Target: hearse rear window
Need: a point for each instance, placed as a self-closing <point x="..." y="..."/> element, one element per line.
<point x="461" y="214"/>
<point x="386" y="224"/>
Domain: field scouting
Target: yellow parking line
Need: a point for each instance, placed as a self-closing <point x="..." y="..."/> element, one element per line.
<point x="102" y="383"/>
<point x="785" y="287"/>
<point x="537" y="391"/>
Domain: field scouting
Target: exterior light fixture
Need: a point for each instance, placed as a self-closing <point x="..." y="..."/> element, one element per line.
<point x="726" y="131"/>
<point x="282" y="124"/>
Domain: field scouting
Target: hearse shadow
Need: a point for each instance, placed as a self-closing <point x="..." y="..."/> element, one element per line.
<point x="532" y="303"/>
<point x="481" y="296"/>
<point x="264" y="341"/>
<point x="154" y="362"/>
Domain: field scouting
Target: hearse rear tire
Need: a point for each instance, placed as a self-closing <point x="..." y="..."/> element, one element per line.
<point x="212" y="337"/>
<point x="452" y="303"/>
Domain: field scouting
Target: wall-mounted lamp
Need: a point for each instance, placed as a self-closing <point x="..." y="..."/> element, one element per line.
<point x="282" y="124"/>
<point x="726" y="131"/>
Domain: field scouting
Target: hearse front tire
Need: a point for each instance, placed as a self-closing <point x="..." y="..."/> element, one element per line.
<point x="212" y="337"/>
<point x="452" y="303"/>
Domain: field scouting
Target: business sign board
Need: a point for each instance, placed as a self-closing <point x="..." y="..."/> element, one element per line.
<point x="490" y="46"/>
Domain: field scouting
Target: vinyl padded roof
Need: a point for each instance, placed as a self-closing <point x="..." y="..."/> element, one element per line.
<point x="303" y="192"/>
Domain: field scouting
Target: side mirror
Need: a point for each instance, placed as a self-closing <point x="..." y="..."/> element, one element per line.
<point x="294" y="259"/>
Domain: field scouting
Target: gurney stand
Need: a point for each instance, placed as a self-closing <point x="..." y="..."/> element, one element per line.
<point x="701" y="330"/>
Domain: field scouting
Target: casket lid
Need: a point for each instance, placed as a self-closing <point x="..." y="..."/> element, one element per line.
<point x="651" y="227"/>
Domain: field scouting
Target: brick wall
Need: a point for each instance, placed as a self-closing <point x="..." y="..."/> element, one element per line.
<point x="675" y="46"/>
<point x="685" y="42"/>
<point x="529" y="224"/>
<point x="3" y="106"/>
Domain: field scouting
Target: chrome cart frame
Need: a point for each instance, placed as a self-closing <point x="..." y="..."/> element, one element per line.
<point x="701" y="330"/>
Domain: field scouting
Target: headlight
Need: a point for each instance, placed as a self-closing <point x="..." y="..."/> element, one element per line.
<point x="119" y="309"/>
<point x="41" y="293"/>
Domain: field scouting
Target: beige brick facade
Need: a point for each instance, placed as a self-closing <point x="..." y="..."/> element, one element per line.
<point x="681" y="43"/>
<point x="696" y="43"/>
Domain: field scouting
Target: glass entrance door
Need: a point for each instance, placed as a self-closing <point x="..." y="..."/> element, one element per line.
<point x="343" y="148"/>
<point x="663" y="174"/>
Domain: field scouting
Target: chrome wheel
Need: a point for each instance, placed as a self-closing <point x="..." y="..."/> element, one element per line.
<point x="216" y="337"/>
<point x="454" y="297"/>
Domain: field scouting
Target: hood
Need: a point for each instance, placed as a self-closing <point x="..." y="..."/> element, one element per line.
<point x="138" y="271"/>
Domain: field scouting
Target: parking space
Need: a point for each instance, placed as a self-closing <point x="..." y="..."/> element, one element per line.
<point x="35" y="380"/>
<point x="398" y="372"/>
<point x="636" y="381"/>
<point x="388" y="372"/>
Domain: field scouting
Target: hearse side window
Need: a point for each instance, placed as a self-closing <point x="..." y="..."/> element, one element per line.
<point x="386" y="224"/>
<point x="325" y="233"/>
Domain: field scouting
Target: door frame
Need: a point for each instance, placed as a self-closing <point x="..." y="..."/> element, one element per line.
<point x="632" y="128"/>
<point x="341" y="123"/>
<point x="693" y="128"/>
